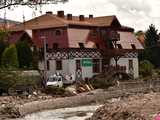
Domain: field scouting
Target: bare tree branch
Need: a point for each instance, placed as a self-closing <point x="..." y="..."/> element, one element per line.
<point x="9" y="3"/>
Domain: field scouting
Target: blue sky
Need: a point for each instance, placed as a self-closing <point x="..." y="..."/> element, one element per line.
<point x="138" y="14"/>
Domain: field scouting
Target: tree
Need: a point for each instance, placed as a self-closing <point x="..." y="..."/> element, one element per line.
<point x="151" y="37"/>
<point x="24" y="54"/>
<point x="151" y="47"/>
<point x="3" y="43"/>
<point x="10" y="58"/>
<point x="9" y="3"/>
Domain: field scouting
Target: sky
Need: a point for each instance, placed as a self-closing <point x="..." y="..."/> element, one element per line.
<point x="138" y="14"/>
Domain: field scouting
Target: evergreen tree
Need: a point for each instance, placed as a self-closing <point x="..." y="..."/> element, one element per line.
<point x="10" y="58"/>
<point x="24" y="54"/>
<point x="151" y="48"/>
<point x="151" y="37"/>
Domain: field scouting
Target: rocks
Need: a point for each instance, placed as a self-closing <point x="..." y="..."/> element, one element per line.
<point x="11" y="111"/>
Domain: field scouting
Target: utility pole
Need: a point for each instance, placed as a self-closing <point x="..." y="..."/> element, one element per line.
<point x="45" y="57"/>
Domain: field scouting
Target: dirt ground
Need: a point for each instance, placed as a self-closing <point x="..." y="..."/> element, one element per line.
<point x="136" y="107"/>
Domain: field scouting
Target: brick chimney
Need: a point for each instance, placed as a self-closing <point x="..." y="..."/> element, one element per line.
<point x="60" y="14"/>
<point x="81" y="18"/>
<point x="49" y="13"/>
<point x="90" y="16"/>
<point x="69" y="16"/>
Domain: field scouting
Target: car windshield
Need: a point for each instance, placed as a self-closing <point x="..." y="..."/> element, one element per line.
<point x="52" y="79"/>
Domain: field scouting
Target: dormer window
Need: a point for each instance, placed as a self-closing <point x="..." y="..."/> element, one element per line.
<point x="133" y="46"/>
<point x="119" y="46"/>
<point x="81" y="45"/>
<point x="58" y="33"/>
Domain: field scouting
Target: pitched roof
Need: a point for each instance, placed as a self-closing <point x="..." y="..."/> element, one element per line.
<point x="8" y="21"/>
<point x="103" y="21"/>
<point x="52" y="20"/>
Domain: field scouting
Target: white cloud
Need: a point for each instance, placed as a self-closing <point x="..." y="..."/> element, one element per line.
<point x="135" y="13"/>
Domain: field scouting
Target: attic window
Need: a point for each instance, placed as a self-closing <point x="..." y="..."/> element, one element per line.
<point x="58" y="32"/>
<point x="81" y="45"/>
<point x="119" y="46"/>
<point x="133" y="46"/>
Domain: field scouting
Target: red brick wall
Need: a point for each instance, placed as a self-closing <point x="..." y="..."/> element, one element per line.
<point x="51" y="37"/>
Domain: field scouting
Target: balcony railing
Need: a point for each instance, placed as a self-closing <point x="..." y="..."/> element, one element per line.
<point x="112" y="68"/>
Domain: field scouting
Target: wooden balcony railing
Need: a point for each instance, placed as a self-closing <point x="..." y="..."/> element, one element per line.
<point x="112" y="68"/>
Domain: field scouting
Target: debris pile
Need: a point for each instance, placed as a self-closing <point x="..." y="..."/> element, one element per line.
<point x="135" y="107"/>
<point x="112" y="112"/>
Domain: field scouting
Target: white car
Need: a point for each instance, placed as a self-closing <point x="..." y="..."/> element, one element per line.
<point x="55" y="80"/>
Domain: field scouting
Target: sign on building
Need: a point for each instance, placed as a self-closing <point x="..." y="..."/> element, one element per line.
<point x="87" y="62"/>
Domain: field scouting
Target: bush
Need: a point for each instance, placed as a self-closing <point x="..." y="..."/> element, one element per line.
<point x="54" y="90"/>
<point x="102" y="81"/>
<point x="146" y="68"/>
<point x="13" y="80"/>
<point x="10" y="58"/>
<point x="7" y="80"/>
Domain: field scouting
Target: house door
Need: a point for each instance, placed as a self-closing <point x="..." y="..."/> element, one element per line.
<point x="131" y="67"/>
<point x="78" y="70"/>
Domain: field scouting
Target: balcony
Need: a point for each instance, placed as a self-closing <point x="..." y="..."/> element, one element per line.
<point x="114" y="69"/>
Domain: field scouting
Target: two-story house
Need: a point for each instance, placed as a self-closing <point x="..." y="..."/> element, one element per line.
<point x="82" y="46"/>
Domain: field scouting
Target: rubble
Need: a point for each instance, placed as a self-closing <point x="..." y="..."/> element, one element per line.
<point x="135" y="107"/>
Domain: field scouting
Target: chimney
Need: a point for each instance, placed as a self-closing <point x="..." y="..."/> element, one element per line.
<point x="49" y="12"/>
<point x="90" y="16"/>
<point x="69" y="16"/>
<point x="81" y="18"/>
<point x="60" y="14"/>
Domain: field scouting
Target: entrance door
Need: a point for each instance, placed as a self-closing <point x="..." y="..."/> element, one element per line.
<point x="78" y="70"/>
<point x="131" y="67"/>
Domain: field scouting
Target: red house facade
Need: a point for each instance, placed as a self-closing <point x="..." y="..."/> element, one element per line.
<point x="81" y="46"/>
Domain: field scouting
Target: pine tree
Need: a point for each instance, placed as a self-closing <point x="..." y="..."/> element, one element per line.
<point x="151" y="37"/>
<point x="151" y="48"/>
<point x="24" y="54"/>
<point x="10" y="58"/>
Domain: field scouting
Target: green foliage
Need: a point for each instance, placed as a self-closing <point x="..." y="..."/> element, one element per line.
<point x="24" y="54"/>
<point x="54" y="90"/>
<point x="3" y="44"/>
<point x="35" y="59"/>
<point x="151" y="49"/>
<point x="151" y="37"/>
<point x="102" y="81"/>
<point x="146" y="68"/>
<point x="10" y="58"/>
<point x="7" y="79"/>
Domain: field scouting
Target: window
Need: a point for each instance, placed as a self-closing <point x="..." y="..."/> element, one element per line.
<point x="55" y="45"/>
<point x="97" y="45"/>
<point x="119" y="46"/>
<point x="94" y="32"/>
<point x="58" y="65"/>
<point x="81" y="45"/>
<point x="78" y="64"/>
<point x="48" y="65"/>
<point x="58" y="32"/>
<point x="96" y="65"/>
<point x="133" y="46"/>
<point x="47" y="46"/>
